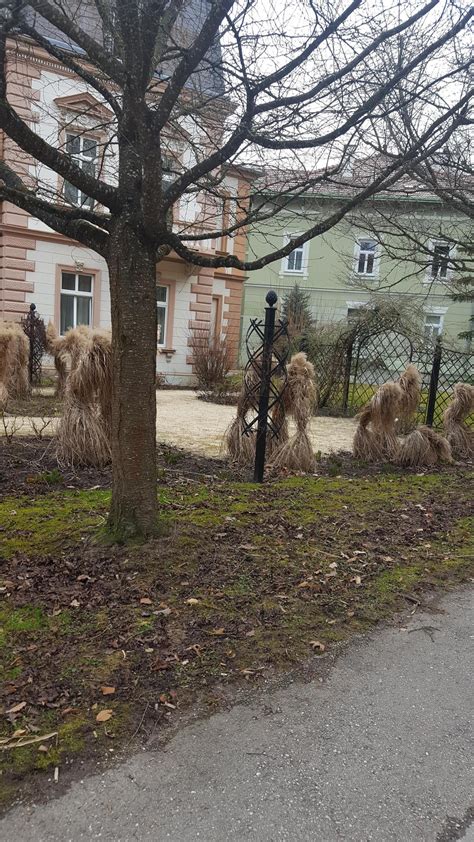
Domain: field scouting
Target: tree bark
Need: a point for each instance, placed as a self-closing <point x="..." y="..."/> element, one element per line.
<point x="132" y="269"/>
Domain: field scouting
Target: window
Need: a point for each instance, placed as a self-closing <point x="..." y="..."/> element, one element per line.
<point x="353" y="314"/>
<point x="296" y="261"/>
<point x="433" y="325"/>
<point x="366" y="257"/>
<point x="84" y="151"/>
<point x="440" y="261"/>
<point x="162" y="313"/>
<point x="76" y="300"/>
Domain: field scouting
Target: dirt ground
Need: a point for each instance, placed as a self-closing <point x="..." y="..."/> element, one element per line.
<point x="184" y="421"/>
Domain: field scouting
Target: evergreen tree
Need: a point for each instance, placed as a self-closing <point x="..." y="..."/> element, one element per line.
<point x="296" y="310"/>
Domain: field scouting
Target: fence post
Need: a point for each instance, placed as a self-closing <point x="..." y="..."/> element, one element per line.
<point x="430" y="410"/>
<point x="347" y="378"/>
<point x="269" y="330"/>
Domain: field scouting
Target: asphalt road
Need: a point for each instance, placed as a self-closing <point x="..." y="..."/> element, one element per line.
<point x="381" y="749"/>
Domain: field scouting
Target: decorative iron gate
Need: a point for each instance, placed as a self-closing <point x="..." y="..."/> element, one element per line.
<point x="371" y="361"/>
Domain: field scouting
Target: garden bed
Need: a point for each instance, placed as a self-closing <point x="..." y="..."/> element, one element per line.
<point x="101" y="644"/>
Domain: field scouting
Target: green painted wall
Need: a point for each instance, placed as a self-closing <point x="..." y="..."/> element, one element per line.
<point x="329" y="271"/>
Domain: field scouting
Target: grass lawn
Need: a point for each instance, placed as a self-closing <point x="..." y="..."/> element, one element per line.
<point x="102" y="644"/>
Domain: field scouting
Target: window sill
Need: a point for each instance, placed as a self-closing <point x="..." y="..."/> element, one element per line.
<point x="167" y="351"/>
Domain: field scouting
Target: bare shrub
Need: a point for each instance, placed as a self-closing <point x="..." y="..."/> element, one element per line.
<point x="40" y="426"/>
<point x="211" y="360"/>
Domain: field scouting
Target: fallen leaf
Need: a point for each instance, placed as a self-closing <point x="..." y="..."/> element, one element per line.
<point x="145" y="601"/>
<point x="357" y="580"/>
<point x="43" y="748"/>
<point x="19" y="732"/>
<point x="333" y="565"/>
<point x="107" y="691"/>
<point x="104" y="715"/>
<point x="192" y="601"/>
<point x="75" y="603"/>
<point x="250" y="633"/>
<point x="316" y="644"/>
<point x="17" y="708"/>
<point x="217" y="632"/>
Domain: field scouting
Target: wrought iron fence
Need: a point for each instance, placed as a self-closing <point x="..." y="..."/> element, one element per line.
<point x="35" y="330"/>
<point x="349" y="376"/>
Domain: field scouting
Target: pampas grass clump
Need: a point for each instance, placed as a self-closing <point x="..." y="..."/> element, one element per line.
<point x="375" y="438"/>
<point x="67" y="351"/>
<point x="423" y="448"/>
<point x="84" y="431"/>
<point x="301" y="395"/>
<point x="240" y="446"/>
<point x="14" y="359"/>
<point x="410" y="384"/>
<point x="460" y="437"/>
<point x="82" y="438"/>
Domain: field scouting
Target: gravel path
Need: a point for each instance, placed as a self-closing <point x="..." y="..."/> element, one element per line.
<point x="187" y="422"/>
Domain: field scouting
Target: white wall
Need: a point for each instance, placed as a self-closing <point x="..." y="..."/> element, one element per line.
<point x="47" y="256"/>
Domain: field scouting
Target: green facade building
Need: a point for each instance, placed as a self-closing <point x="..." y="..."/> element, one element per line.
<point x="406" y="245"/>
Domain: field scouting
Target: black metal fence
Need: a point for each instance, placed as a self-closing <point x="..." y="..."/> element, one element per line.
<point x="349" y="375"/>
<point x="35" y="330"/>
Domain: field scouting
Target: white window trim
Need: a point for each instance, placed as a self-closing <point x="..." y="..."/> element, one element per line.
<point x="374" y="276"/>
<point x="438" y="241"/>
<point x="298" y="273"/>
<point x="435" y="311"/>
<point x="77" y="294"/>
<point x="163" y="305"/>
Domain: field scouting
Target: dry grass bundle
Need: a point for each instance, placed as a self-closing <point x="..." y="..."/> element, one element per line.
<point x="410" y="384"/>
<point x="14" y="359"/>
<point x="84" y="431"/>
<point x="82" y="438"/>
<point x="460" y="437"/>
<point x="375" y="438"/>
<point x="423" y="448"/>
<point x="91" y="378"/>
<point x="67" y="350"/>
<point x="297" y="453"/>
<point x="240" y="446"/>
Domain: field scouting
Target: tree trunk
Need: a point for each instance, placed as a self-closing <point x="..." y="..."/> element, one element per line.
<point x="132" y="269"/>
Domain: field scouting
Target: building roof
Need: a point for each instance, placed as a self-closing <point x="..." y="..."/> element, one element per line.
<point x="207" y="80"/>
<point x="330" y="183"/>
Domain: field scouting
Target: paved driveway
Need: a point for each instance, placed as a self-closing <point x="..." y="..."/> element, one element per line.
<point x="187" y="422"/>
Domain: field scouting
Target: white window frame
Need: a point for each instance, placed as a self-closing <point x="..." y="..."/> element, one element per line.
<point x="83" y="201"/>
<point x="374" y="275"/>
<point x="440" y="313"/>
<point x="76" y="293"/>
<point x="299" y="273"/>
<point x="163" y="305"/>
<point x="430" y="278"/>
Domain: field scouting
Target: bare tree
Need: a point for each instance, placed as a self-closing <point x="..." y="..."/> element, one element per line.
<point x="298" y="91"/>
